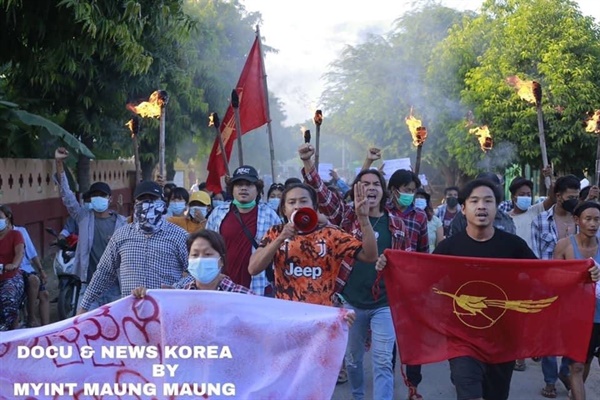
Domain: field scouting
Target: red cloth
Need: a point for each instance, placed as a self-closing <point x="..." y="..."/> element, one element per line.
<point x="7" y="251"/>
<point x="239" y="248"/>
<point x="253" y="114"/>
<point x="429" y="328"/>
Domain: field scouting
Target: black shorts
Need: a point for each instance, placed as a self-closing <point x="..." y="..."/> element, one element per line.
<point x="474" y="379"/>
<point x="26" y="277"/>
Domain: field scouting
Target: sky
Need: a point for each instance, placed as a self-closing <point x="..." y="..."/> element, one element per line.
<point x="310" y="34"/>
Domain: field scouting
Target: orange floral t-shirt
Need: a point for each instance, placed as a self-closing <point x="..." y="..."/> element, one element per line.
<point x="307" y="265"/>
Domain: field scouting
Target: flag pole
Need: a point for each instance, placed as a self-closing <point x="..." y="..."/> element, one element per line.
<point x="214" y="121"/>
<point x="235" y="103"/>
<point x="163" y="99"/>
<point x="266" y="89"/>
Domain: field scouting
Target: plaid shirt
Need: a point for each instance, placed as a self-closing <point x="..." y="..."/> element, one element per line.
<point x="226" y="285"/>
<point x="440" y="212"/>
<point x="344" y="215"/>
<point x="506" y="206"/>
<point x="266" y="219"/>
<point x="543" y="235"/>
<point x="137" y="259"/>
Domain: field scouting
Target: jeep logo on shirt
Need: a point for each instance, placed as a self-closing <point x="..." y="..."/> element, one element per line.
<point x="308" y="272"/>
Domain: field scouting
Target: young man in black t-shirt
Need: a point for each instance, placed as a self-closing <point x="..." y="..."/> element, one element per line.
<point x="472" y="378"/>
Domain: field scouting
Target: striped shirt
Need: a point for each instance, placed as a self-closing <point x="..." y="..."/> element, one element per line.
<point x="134" y="259"/>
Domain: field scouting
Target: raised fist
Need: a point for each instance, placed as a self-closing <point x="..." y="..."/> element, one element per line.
<point x="374" y="154"/>
<point x="61" y="153"/>
<point x="306" y="151"/>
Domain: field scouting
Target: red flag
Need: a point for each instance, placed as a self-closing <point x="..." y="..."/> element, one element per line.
<point x="253" y="114"/>
<point x="494" y="310"/>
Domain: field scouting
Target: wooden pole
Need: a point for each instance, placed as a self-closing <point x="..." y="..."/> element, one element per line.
<point x="418" y="162"/>
<point x="161" y="144"/>
<point x="542" y="136"/>
<point x="318" y="119"/>
<point x="235" y="103"/>
<point x="267" y="107"/>
<point x="214" y="121"/>
<point x="136" y="156"/>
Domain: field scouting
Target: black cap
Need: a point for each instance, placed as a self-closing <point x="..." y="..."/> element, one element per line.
<point x="100" y="187"/>
<point x="148" y="187"/>
<point x="245" y="173"/>
<point x="490" y="176"/>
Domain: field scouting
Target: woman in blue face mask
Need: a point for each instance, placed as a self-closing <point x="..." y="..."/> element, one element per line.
<point x="435" y="228"/>
<point x="274" y="196"/>
<point x="207" y="260"/>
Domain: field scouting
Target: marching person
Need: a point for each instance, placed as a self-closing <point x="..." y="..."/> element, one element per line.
<point x="354" y="289"/>
<point x="96" y="225"/>
<point x="243" y="223"/>
<point x="198" y="208"/>
<point x="150" y="252"/>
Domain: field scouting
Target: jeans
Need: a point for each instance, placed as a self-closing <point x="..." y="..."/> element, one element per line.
<point x="550" y="369"/>
<point x="112" y="294"/>
<point x="382" y="344"/>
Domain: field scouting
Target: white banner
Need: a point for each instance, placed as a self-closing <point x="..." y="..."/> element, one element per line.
<point x="179" y="344"/>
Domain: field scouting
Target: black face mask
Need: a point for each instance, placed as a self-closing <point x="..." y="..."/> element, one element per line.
<point x="569" y="205"/>
<point x="451" y="201"/>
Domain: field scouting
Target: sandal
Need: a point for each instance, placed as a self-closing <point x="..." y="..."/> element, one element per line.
<point x="565" y="381"/>
<point x="342" y="376"/>
<point x="549" y="391"/>
<point x="520" y="365"/>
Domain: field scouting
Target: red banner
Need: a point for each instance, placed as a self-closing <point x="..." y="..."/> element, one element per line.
<point x="253" y="114"/>
<point x="495" y="310"/>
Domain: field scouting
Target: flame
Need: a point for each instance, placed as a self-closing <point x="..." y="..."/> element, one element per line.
<point x="525" y="89"/>
<point x="133" y="126"/>
<point x="417" y="130"/>
<point x="483" y="135"/>
<point x="318" y="118"/>
<point x="150" y="108"/>
<point x="593" y="123"/>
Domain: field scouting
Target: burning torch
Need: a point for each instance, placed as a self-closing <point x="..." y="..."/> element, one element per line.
<point x="213" y="120"/>
<point x="235" y="103"/>
<point x="593" y="126"/>
<point x="485" y="138"/>
<point x="531" y="91"/>
<point x="419" y="135"/>
<point x="155" y="107"/>
<point x="134" y="127"/>
<point x="318" y="118"/>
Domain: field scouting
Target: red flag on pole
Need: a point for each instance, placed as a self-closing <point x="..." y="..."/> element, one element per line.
<point x="253" y="114"/>
<point x="494" y="310"/>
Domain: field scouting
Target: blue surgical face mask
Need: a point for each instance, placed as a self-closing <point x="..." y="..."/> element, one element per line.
<point x="99" y="204"/>
<point x="201" y="210"/>
<point x="420" y="203"/>
<point x="405" y="199"/>
<point x="523" y="202"/>
<point x="274" y="203"/>
<point x="177" y="207"/>
<point x="3" y="224"/>
<point x="204" y="269"/>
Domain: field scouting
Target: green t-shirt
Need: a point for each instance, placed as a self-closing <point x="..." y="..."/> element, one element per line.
<point x="358" y="290"/>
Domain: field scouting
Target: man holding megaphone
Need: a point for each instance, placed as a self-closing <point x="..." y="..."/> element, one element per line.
<point x="307" y="258"/>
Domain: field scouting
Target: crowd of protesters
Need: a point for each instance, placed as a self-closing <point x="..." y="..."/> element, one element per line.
<point x="245" y="240"/>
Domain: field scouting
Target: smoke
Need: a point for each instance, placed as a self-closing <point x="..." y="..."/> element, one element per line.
<point x="501" y="156"/>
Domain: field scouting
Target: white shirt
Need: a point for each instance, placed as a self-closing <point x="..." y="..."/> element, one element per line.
<point x="523" y="221"/>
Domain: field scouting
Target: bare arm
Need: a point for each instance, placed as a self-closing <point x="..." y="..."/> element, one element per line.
<point x="369" y="252"/>
<point x="551" y="198"/>
<point x="17" y="259"/>
<point x="263" y="256"/>
<point x="560" y="250"/>
<point x="372" y="155"/>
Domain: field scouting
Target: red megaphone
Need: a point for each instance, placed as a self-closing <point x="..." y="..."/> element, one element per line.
<point x="305" y="220"/>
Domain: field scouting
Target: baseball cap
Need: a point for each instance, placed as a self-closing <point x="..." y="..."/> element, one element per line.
<point x="245" y="173"/>
<point x="201" y="197"/>
<point x="100" y="187"/>
<point x="147" y="187"/>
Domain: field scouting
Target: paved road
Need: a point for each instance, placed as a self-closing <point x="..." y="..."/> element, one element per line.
<point x="436" y="384"/>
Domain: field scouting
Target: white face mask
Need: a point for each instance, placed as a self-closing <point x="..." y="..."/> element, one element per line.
<point x="205" y="269"/>
<point x="202" y="210"/>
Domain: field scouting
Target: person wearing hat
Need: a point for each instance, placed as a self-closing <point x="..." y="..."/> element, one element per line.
<point x="198" y="208"/>
<point x="96" y="226"/>
<point x="502" y="220"/>
<point x="149" y="252"/>
<point x="243" y="223"/>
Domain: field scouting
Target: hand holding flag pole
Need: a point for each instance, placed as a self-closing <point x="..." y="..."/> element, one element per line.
<point x="213" y="120"/>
